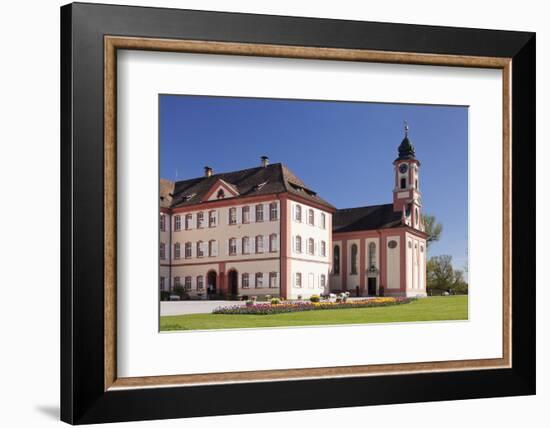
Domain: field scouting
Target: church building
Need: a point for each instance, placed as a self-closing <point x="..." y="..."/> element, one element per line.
<point x="263" y="231"/>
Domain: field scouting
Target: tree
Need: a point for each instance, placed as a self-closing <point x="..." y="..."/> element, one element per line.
<point x="432" y="228"/>
<point x="442" y="277"/>
<point x="439" y="273"/>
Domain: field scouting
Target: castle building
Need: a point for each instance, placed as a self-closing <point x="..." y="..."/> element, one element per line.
<point x="262" y="231"/>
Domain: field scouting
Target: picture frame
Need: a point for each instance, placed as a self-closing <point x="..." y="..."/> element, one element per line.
<point x="91" y="391"/>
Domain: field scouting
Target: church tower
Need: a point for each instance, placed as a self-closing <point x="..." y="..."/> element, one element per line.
<point x="406" y="193"/>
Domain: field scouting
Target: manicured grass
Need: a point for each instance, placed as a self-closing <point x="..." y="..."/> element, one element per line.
<point x="427" y="309"/>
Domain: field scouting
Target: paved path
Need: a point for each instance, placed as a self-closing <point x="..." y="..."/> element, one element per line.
<point x="194" y="306"/>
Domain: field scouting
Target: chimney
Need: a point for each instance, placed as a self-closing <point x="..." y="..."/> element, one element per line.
<point x="207" y="171"/>
<point x="265" y="161"/>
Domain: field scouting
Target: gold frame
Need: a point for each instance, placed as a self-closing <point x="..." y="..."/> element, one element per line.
<point x="112" y="43"/>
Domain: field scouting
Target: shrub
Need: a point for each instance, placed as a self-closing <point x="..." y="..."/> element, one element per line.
<point x="180" y="291"/>
<point x="164" y="296"/>
<point x="314" y="298"/>
<point x="299" y="297"/>
<point x="250" y="303"/>
<point x="275" y="301"/>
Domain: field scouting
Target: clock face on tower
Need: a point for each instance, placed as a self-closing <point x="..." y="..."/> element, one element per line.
<point x="403" y="168"/>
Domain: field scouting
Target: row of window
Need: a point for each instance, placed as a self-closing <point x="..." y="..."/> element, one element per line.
<point x="310" y="217"/>
<point x="245" y="245"/>
<point x="310" y="246"/>
<point x="201" y="222"/>
<point x="353" y="259"/>
<point x="298" y="283"/>
<point x="247" y="281"/>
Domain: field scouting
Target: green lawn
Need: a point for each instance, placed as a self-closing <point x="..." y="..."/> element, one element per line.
<point x="427" y="309"/>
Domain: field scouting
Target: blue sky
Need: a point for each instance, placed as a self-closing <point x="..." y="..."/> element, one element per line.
<point x="342" y="150"/>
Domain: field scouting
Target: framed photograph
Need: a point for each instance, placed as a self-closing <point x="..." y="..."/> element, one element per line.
<point x="266" y="213"/>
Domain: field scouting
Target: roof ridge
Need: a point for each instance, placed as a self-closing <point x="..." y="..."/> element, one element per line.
<point x="217" y="175"/>
<point x="365" y="206"/>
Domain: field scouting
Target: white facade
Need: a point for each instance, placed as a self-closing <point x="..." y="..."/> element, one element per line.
<point x="310" y="243"/>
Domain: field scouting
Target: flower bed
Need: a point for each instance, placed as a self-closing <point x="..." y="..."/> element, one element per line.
<point x="286" y="307"/>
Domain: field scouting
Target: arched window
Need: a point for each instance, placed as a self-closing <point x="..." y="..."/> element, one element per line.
<point x="336" y="260"/>
<point x="323" y="248"/>
<point x="259" y="244"/>
<point x="187" y="282"/>
<point x="403" y="183"/>
<point x="354" y="259"/>
<point x="188" y="220"/>
<point x="323" y="221"/>
<point x="246" y="245"/>
<point x="162" y="222"/>
<point x="188" y="250"/>
<point x="273" y="243"/>
<point x="177" y="222"/>
<point x="372" y="255"/>
<point x="162" y="251"/>
<point x="311" y="246"/>
<point x="298" y="244"/>
<point x="177" y="250"/>
<point x="323" y="281"/>
<point x="200" y="282"/>
<point x="298" y="213"/>
<point x="221" y="194"/>
<point x="416" y="183"/>
<point x="245" y="280"/>
<point x="200" y="249"/>
<point x="232" y="246"/>
<point x="310" y="217"/>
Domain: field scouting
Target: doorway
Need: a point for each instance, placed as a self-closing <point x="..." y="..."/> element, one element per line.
<point x="371" y="287"/>
<point x="233" y="283"/>
<point x="211" y="283"/>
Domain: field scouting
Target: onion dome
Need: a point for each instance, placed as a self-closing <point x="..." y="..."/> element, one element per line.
<point x="406" y="149"/>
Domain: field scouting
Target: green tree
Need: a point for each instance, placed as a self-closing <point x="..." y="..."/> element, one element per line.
<point x="439" y="274"/>
<point x="442" y="277"/>
<point x="432" y="228"/>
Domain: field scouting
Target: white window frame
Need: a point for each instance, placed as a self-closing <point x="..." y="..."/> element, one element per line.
<point x="232" y="246"/>
<point x="162" y="251"/>
<point x="259" y="244"/>
<point x="245" y="280"/>
<point x="212" y="217"/>
<point x="232" y="215"/>
<point x="245" y="214"/>
<point x="298" y="213"/>
<point x="298" y="280"/>
<point x="177" y="223"/>
<point x="259" y="208"/>
<point x="273" y="211"/>
<point x="200" y="249"/>
<point x="177" y="250"/>
<point x="188" y="246"/>
<point x="260" y="283"/>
